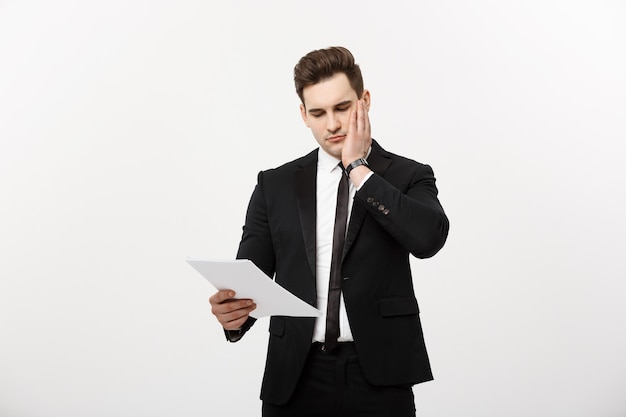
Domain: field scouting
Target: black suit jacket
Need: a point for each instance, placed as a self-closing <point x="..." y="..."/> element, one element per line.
<point x="395" y="213"/>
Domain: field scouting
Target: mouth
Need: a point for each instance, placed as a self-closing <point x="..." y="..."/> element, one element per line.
<point x="336" y="138"/>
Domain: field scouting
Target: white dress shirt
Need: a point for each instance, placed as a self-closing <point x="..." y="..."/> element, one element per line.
<point x="328" y="175"/>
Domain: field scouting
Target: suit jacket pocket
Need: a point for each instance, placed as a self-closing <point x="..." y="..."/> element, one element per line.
<point x="277" y="326"/>
<point x="401" y="306"/>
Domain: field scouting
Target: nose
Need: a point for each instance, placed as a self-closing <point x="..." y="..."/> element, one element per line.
<point x="332" y="123"/>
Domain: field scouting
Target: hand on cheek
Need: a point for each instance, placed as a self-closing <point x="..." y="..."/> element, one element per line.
<point x="359" y="138"/>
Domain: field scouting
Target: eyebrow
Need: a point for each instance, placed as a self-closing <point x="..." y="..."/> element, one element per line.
<point x="342" y="103"/>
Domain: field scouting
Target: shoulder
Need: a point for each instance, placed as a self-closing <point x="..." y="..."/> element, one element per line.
<point x="394" y="157"/>
<point x="288" y="170"/>
<point x="292" y="166"/>
<point x="399" y="166"/>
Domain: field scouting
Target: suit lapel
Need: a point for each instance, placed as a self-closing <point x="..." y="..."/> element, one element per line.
<point x="306" y="180"/>
<point x="378" y="161"/>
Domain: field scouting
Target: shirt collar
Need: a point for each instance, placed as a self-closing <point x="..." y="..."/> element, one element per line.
<point x="325" y="161"/>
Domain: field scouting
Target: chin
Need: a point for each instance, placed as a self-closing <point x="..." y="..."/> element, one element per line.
<point x="335" y="150"/>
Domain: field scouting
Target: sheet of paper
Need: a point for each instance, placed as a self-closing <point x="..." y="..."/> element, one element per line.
<point x="248" y="281"/>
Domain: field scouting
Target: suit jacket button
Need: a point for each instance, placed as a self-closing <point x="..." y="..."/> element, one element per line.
<point x="375" y="203"/>
<point x="386" y="212"/>
<point x="370" y="199"/>
<point x="381" y="207"/>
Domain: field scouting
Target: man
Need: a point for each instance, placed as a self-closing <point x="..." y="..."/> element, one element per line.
<point x="290" y="233"/>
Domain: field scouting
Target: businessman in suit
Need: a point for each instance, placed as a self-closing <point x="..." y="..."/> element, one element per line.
<point x="350" y="260"/>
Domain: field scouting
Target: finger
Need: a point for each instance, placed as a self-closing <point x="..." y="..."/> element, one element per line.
<point x="235" y="324"/>
<point x="236" y="314"/>
<point x="221" y="296"/>
<point x="230" y="306"/>
<point x="360" y="116"/>
<point x="366" y="122"/>
<point x="366" y="117"/>
<point x="235" y="319"/>
<point x="365" y="128"/>
<point x="352" y="124"/>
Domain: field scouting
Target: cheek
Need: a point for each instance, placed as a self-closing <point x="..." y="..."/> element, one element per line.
<point x="317" y="125"/>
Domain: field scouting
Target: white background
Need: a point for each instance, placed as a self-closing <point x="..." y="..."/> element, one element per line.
<point x="131" y="133"/>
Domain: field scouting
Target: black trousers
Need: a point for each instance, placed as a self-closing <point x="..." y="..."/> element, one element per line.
<point x="332" y="384"/>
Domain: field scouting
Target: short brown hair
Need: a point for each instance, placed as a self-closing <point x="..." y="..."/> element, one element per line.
<point x="321" y="64"/>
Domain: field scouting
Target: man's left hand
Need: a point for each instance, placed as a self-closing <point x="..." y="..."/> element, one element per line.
<point x="358" y="141"/>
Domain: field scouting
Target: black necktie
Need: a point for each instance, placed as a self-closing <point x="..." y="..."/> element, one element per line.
<point x="334" y="287"/>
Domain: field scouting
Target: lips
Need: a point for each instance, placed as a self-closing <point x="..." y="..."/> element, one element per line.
<point x="336" y="138"/>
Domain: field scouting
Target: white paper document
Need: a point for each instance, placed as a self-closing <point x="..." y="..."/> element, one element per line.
<point x="248" y="281"/>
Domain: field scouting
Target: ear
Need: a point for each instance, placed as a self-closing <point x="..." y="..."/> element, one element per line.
<point x="304" y="116"/>
<point x="366" y="99"/>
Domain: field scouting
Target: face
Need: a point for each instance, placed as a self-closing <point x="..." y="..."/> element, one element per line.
<point x="326" y="111"/>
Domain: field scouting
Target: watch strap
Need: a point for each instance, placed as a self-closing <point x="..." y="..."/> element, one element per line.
<point x="357" y="163"/>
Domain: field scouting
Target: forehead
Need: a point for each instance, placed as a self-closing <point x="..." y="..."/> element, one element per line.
<point x="328" y="92"/>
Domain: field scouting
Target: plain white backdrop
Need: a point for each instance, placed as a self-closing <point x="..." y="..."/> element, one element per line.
<point x="131" y="133"/>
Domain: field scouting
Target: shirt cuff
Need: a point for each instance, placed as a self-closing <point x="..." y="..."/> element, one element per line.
<point x="369" y="174"/>
<point x="233" y="335"/>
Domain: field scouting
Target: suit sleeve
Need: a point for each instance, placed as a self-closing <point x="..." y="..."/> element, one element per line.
<point x="414" y="216"/>
<point x="256" y="241"/>
<point x="256" y="245"/>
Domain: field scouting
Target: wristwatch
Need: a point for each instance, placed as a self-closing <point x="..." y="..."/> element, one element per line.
<point x="358" y="162"/>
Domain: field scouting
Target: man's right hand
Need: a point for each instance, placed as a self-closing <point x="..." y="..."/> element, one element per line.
<point x="231" y="312"/>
